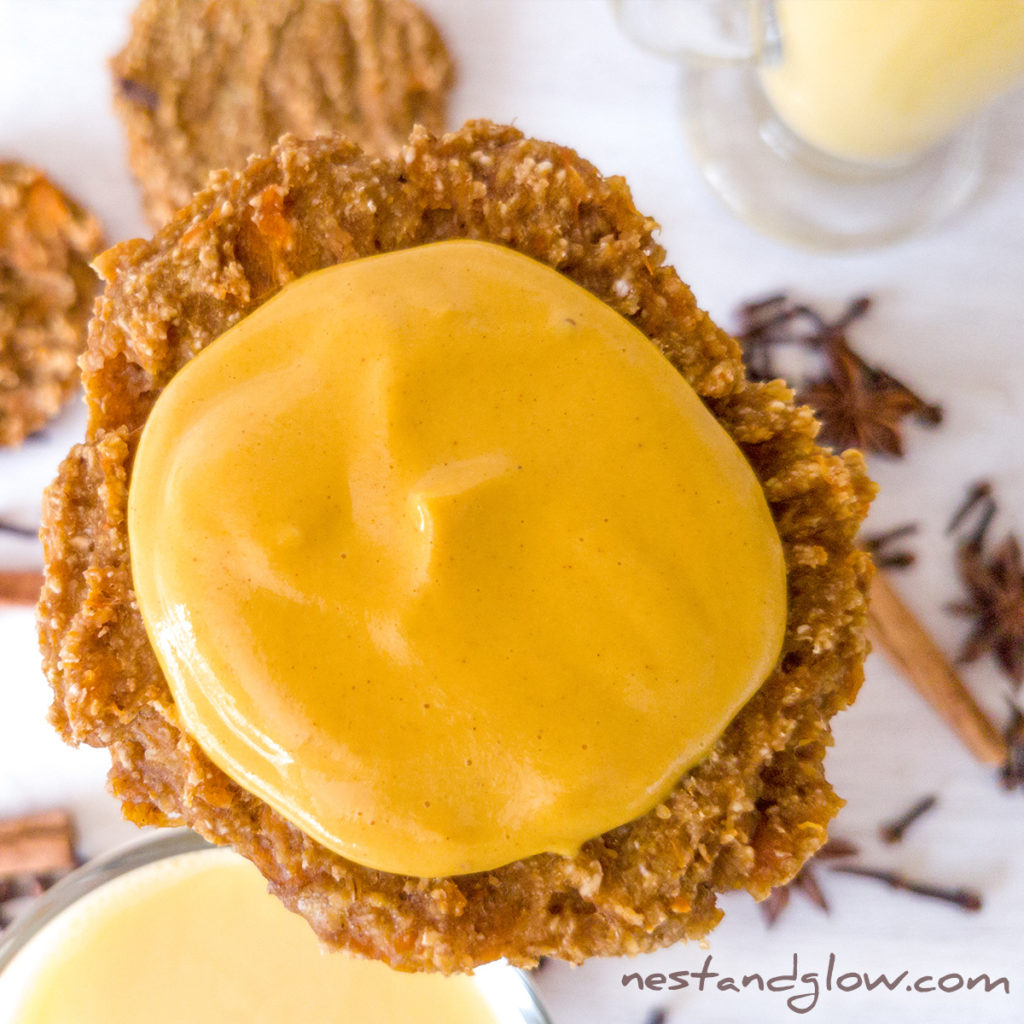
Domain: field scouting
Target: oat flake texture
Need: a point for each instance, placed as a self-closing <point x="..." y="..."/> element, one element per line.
<point x="46" y="294"/>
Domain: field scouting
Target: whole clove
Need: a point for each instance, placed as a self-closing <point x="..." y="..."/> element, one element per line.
<point x="894" y="831"/>
<point x="966" y="899"/>
<point x="883" y="550"/>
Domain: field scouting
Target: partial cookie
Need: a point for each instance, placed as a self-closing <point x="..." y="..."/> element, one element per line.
<point x="46" y="293"/>
<point x="203" y="84"/>
<point x="747" y="816"/>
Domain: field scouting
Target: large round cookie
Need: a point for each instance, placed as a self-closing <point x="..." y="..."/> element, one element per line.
<point x="747" y="816"/>
<point x="203" y="84"/>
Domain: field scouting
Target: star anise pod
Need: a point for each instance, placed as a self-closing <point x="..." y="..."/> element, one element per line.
<point x="996" y="603"/>
<point x="805" y="881"/>
<point x="994" y="580"/>
<point x="861" y="406"/>
<point x="858" y="404"/>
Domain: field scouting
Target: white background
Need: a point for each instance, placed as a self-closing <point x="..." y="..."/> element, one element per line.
<point x="949" y="318"/>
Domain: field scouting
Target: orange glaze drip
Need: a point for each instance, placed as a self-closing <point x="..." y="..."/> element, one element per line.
<point x="444" y="560"/>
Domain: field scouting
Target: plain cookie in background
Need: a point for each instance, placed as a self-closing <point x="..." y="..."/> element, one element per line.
<point x="203" y="84"/>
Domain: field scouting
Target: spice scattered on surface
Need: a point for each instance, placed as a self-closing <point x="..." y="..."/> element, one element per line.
<point x="36" y="844"/>
<point x="27" y="887"/>
<point x="883" y="550"/>
<point x="17" y="530"/>
<point x="967" y="899"/>
<point x="20" y="587"/>
<point x="860" y="405"/>
<point x="1012" y="774"/>
<point x="894" y="629"/>
<point x="35" y="851"/>
<point x="894" y="831"/>
<point x="805" y="881"/>
<point x="993" y="577"/>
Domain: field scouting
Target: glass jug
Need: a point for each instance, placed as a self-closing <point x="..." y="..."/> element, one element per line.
<point x="837" y="123"/>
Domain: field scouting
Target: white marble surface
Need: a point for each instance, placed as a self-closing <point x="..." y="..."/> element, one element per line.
<point x="949" y="317"/>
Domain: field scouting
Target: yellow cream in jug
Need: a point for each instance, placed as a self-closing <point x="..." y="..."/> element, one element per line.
<point x="198" y="938"/>
<point x="880" y="80"/>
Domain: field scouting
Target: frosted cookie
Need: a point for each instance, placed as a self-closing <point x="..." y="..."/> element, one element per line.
<point x="245" y="764"/>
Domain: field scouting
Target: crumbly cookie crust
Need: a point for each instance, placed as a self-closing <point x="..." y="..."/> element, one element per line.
<point x="202" y="84"/>
<point x="46" y="293"/>
<point x="746" y="817"/>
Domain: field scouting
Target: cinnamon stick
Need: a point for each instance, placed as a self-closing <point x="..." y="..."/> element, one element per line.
<point x="20" y="587"/>
<point x="37" y="844"/>
<point x="894" y="629"/>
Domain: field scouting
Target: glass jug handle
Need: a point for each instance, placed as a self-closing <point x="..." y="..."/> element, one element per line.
<point x="721" y="31"/>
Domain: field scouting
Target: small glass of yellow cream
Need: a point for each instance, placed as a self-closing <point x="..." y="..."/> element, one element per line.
<point x="171" y="929"/>
<point x="837" y="123"/>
